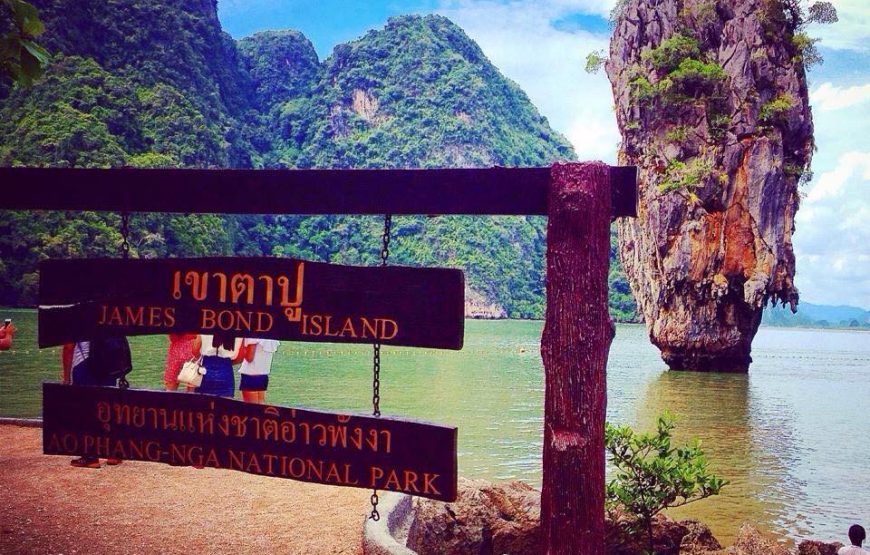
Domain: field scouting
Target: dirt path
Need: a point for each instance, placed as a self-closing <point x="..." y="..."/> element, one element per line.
<point x="46" y="506"/>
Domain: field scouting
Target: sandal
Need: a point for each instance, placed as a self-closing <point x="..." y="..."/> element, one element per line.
<point x="85" y="462"/>
<point x="113" y="462"/>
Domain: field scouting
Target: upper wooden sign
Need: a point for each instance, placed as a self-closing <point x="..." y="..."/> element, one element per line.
<point x="280" y="298"/>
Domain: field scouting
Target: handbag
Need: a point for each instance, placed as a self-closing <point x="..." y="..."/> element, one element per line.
<point x="192" y="372"/>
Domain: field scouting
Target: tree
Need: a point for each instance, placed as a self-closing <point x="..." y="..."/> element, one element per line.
<point x="653" y="475"/>
<point x="21" y="58"/>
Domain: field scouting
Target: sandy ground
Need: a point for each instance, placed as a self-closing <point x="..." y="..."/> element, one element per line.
<point x="47" y="506"/>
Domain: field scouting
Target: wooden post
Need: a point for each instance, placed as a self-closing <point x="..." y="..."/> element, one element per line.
<point x="574" y="347"/>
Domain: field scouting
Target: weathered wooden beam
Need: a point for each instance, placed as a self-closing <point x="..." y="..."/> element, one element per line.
<point x="574" y="348"/>
<point x="489" y="191"/>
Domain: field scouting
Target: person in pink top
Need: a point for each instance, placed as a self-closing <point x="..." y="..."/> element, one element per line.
<point x="180" y="345"/>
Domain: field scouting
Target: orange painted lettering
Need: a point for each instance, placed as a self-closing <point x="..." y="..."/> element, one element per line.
<point x="375" y="474"/>
<point x="155" y="316"/>
<point x="348" y="326"/>
<point x="411" y="481"/>
<point x="136" y="316"/>
<point x="208" y="318"/>
<point x="264" y="322"/>
<point x="369" y="328"/>
<point x="169" y="316"/>
<point x="393" y="481"/>
<point x="394" y="329"/>
<point x="428" y="486"/>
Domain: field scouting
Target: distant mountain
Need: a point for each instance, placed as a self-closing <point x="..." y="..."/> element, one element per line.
<point x="817" y="315"/>
<point x="157" y="83"/>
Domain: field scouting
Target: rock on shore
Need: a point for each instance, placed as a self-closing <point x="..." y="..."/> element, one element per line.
<point x="504" y="518"/>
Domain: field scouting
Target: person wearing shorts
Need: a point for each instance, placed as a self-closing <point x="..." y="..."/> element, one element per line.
<point x="255" y="369"/>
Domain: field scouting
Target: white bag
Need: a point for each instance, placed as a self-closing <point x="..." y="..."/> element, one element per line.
<point x="192" y="372"/>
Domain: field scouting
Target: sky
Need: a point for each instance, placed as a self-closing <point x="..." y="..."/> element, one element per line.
<point x="542" y="45"/>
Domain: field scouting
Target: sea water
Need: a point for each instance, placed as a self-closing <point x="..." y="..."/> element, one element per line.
<point x="791" y="436"/>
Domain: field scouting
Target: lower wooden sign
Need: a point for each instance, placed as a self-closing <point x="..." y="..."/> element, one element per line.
<point x="187" y="429"/>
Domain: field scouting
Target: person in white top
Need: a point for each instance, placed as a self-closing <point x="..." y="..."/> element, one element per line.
<point x="857" y="535"/>
<point x="255" y="368"/>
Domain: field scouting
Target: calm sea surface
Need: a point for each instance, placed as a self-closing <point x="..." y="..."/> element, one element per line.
<point x="792" y="436"/>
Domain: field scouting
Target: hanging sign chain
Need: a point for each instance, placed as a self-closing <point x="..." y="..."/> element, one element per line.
<point x="125" y="254"/>
<point x="376" y="357"/>
<point x="125" y="234"/>
<point x="376" y="366"/>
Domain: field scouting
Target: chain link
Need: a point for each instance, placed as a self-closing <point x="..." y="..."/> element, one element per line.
<point x="385" y="249"/>
<point x="376" y="356"/>
<point x="125" y="235"/>
<point x="376" y="516"/>
<point x="376" y="380"/>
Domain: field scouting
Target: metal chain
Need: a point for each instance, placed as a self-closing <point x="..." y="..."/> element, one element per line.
<point x="376" y="356"/>
<point x="125" y="254"/>
<point x="376" y="348"/>
<point x="125" y="235"/>
<point x="376" y="516"/>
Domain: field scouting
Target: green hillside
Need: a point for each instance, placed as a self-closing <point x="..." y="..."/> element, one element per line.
<point x="158" y="84"/>
<point x="816" y="315"/>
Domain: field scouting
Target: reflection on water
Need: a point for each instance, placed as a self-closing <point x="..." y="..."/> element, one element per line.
<point x="746" y="442"/>
<point x="791" y="436"/>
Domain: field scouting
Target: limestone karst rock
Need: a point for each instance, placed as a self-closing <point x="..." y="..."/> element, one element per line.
<point x="711" y="100"/>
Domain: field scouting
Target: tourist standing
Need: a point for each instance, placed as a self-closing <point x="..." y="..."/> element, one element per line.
<point x="255" y="368"/>
<point x="219" y="353"/>
<point x="7" y="333"/>
<point x="857" y="535"/>
<point x="180" y="345"/>
<point x="76" y="369"/>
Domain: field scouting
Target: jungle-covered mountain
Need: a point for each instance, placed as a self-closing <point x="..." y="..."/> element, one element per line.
<point x="157" y="83"/>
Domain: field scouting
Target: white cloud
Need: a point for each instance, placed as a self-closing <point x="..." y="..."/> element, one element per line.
<point x="520" y="38"/>
<point x="832" y="238"/>
<point x="827" y="97"/>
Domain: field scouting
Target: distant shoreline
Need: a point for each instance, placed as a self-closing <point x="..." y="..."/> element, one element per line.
<point x="864" y="328"/>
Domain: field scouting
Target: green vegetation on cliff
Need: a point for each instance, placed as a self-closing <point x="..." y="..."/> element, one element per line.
<point x="158" y="84"/>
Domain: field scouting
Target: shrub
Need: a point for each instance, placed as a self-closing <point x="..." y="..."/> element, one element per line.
<point x="805" y="46"/>
<point x="653" y="475"/>
<point x="641" y="88"/>
<point x="677" y="134"/>
<point x="695" y="78"/>
<point x="774" y="111"/>
<point x="672" y="51"/>
<point x="688" y="176"/>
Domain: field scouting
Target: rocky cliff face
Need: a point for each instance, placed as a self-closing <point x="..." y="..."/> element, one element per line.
<point x="711" y="101"/>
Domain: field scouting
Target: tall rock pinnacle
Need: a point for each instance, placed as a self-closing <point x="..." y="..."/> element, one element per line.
<point x="711" y="100"/>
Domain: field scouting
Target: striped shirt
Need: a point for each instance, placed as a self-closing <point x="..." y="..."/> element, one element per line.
<point x="81" y="352"/>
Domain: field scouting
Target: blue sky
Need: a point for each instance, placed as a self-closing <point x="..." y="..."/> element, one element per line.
<point x="542" y="44"/>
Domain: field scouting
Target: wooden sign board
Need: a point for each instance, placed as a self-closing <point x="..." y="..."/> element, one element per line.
<point x="279" y="298"/>
<point x="187" y="429"/>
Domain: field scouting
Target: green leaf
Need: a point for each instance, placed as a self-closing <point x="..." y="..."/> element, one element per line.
<point x="30" y="67"/>
<point x="27" y="18"/>
<point x="38" y="52"/>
